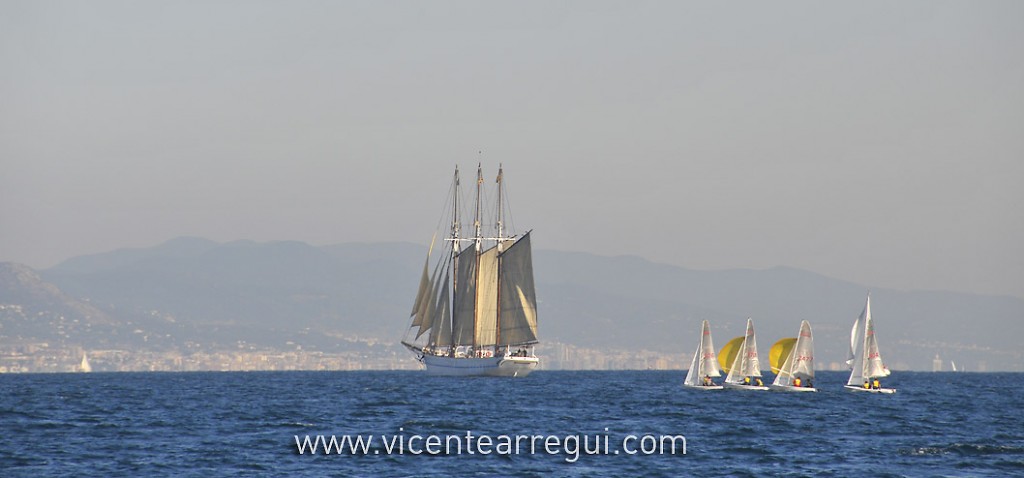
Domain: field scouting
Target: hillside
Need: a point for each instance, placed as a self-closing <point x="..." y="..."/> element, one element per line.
<point x="268" y="293"/>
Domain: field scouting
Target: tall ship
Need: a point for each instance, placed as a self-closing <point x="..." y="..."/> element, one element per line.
<point x="475" y="312"/>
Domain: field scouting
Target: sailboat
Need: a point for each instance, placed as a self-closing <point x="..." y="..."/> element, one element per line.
<point x="792" y="360"/>
<point x="704" y="366"/>
<point x="476" y="313"/>
<point x="739" y="359"/>
<point x="864" y="359"/>
<point x="84" y="366"/>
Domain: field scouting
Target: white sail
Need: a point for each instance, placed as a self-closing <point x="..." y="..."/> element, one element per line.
<point x="746" y="363"/>
<point x="857" y="347"/>
<point x="704" y="362"/>
<point x="486" y="327"/>
<point x="693" y="376"/>
<point x="800" y="362"/>
<point x="803" y="353"/>
<point x="85" y="367"/>
<point x="854" y="339"/>
<point x="708" y="362"/>
<point x="873" y="366"/>
<point x="518" y="315"/>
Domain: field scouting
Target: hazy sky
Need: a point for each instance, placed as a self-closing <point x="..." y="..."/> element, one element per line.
<point x="879" y="142"/>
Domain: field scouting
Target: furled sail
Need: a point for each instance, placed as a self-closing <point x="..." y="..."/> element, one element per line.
<point x="518" y="299"/>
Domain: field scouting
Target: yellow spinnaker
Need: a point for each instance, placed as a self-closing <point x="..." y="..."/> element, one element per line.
<point x="780" y="352"/>
<point x="727" y="355"/>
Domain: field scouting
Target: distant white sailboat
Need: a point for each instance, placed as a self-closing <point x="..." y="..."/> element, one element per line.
<point x="865" y="358"/>
<point x="739" y="359"/>
<point x="954" y="365"/>
<point x="792" y="360"/>
<point x="84" y="366"/>
<point x="704" y="366"/>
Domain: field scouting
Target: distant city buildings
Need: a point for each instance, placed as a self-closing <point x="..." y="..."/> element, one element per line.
<point x="41" y="357"/>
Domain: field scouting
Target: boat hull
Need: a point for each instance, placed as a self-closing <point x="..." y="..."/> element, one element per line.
<point x="740" y="386"/>
<point x="704" y="387"/>
<point x="870" y="390"/>
<point x="480" y="366"/>
<point x="790" y="388"/>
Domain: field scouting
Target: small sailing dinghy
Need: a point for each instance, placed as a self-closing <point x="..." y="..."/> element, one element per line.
<point x="865" y="359"/>
<point x="739" y="359"/>
<point x="704" y="366"/>
<point x="792" y="360"/>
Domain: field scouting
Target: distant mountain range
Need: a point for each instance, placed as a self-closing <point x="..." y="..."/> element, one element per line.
<point x="196" y="290"/>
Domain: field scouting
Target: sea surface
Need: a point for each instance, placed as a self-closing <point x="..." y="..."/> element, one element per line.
<point x="248" y="424"/>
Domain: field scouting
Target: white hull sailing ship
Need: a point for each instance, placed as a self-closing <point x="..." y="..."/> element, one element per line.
<point x="865" y="359"/>
<point x="792" y="360"/>
<point x="476" y="313"/>
<point x="738" y="359"/>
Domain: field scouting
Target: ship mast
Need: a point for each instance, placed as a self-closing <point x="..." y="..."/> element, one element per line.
<point x="501" y="242"/>
<point x="501" y="231"/>
<point x="478" y="242"/>
<point x="455" y="214"/>
<point x="455" y="254"/>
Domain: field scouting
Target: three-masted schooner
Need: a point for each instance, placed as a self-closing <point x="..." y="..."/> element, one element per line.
<point x="476" y="313"/>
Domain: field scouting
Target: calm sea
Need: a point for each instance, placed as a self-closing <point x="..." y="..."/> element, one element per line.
<point x="246" y="424"/>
